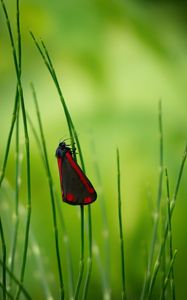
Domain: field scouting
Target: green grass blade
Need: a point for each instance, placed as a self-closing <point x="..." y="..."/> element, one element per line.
<point x="14" y="115"/>
<point x="73" y="135"/>
<point x="20" y="90"/>
<point x="168" y="276"/>
<point x="157" y="213"/>
<point x="123" y="294"/>
<point x="55" y="226"/>
<point x="7" y="292"/>
<point x="172" y="282"/>
<point x="81" y="266"/>
<point x="172" y="206"/>
<point x="4" y="259"/>
<point x="24" y="291"/>
<point x="59" y="208"/>
<point x="17" y="183"/>
<point x="89" y="259"/>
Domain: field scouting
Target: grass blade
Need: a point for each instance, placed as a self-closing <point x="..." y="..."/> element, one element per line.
<point x="4" y="259"/>
<point x="59" y="210"/>
<point x="123" y="294"/>
<point x="168" y="276"/>
<point x="24" y="291"/>
<point x="172" y="282"/>
<point x="17" y="183"/>
<point x="74" y="136"/>
<point x="157" y="213"/>
<point x="17" y="64"/>
<point x="14" y="116"/>
<point x="55" y="226"/>
<point x="172" y="206"/>
<point x="6" y="291"/>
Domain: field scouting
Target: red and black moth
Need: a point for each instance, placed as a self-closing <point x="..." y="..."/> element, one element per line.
<point x="75" y="186"/>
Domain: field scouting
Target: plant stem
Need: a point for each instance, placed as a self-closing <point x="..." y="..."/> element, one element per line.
<point x="88" y="275"/>
<point x="81" y="267"/>
<point x="6" y="292"/>
<point x="4" y="259"/>
<point x="55" y="226"/>
<point x="17" y="183"/>
<point x="73" y="135"/>
<point x="172" y="206"/>
<point x="123" y="294"/>
<point x="2" y="173"/>
<point x="172" y="282"/>
<point x="168" y="275"/>
<point x="156" y="219"/>
<point x="16" y="281"/>
<point x="20" y="90"/>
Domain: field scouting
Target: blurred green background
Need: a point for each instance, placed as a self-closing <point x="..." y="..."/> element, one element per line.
<point x="114" y="60"/>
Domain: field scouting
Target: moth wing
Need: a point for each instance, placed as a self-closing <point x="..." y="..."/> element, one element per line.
<point x="76" y="187"/>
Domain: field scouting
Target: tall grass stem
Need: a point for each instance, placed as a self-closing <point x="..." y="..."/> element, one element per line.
<point x="17" y="184"/>
<point x="4" y="260"/>
<point x="27" y="146"/>
<point x="16" y="280"/>
<point x="157" y="212"/>
<point x="73" y="134"/>
<point x="55" y="226"/>
<point x="172" y="282"/>
<point x="120" y="218"/>
<point x="172" y="206"/>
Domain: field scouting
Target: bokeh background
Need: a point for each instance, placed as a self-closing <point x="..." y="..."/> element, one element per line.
<point x="115" y="60"/>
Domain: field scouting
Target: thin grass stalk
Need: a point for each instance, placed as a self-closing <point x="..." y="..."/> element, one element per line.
<point x="27" y="146"/>
<point x="81" y="266"/>
<point x="2" y="173"/>
<point x="123" y="294"/>
<point x="17" y="183"/>
<point x="40" y="267"/>
<point x="67" y="246"/>
<point x="7" y="292"/>
<point x="106" y="291"/>
<point x="172" y="206"/>
<point x="159" y="196"/>
<point x="59" y="210"/>
<point x="51" y="70"/>
<point x="55" y="226"/>
<point x="105" y="273"/>
<point x="24" y="291"/>
<point x="89" y="271"/>
<point x="3" y="260"/>
<point x="20" y="90"/>
<point x="172" y="282"/>
<point x="73" y="134"/>
<point x="163" y="260"/>
<point x="168" y="276"/>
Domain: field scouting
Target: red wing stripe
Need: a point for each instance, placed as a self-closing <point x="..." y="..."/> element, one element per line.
<point x="81" y="175"/>
<point x="60" y="168"/>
